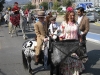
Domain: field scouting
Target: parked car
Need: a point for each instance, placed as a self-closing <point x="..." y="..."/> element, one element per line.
<point x="90" y="9"/>
<point x="93" y="16"/>
<point x="63" y="9"/>
<point x="97" y="9"/>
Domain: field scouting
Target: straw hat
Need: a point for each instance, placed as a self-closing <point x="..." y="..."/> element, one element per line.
<point x="9" y="8"/>
<point x="41" y="14"/>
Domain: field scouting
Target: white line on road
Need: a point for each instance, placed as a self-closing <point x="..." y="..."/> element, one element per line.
<point x="16" y="72"/>
<point x="0" y="44"/>
<point x="93" y="33"/>
<point x="93" y="40"/>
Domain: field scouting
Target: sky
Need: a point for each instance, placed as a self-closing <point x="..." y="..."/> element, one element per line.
<point x="8" y="0"/>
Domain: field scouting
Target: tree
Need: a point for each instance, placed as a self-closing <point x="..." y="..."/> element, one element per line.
<point x="1" y="4"/>
<point x="45" y="5"/>
<point x="67" y="3"/>
<point x="29" y="6"/>
<point x="56" y="5"/>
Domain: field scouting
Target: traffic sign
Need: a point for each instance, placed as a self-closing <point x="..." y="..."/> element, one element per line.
<point x="50" y="4"/>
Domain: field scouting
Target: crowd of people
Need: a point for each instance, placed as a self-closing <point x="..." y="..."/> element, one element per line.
<point x="74" y="27"/>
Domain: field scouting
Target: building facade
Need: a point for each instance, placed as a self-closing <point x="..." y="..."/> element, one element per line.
<point x="38" y="2"/>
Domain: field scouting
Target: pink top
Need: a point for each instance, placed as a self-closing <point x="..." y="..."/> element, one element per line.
<point x="69" y="31"/>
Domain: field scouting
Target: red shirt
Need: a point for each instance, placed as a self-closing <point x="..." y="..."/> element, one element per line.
<point x="15" y="9"/>
<point x="26" y="12"/>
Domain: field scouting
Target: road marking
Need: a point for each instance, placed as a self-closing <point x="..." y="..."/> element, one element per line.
<point x="97" y="24"/>
<point x="93" y="33"/>
<point x="0" y="44"/>
<point x="16" y="72"/>
<point x="93" y="40"/>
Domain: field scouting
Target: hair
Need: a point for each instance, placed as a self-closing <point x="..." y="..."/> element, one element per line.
<point x="16" y="3"/>
<point x="66" y="16"/>
<point x="81" y="9"/>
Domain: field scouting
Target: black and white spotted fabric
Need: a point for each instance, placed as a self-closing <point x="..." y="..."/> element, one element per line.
<point x="28" y="47"/>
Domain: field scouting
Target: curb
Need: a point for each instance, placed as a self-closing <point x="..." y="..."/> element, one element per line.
<point x="93" y="40"/>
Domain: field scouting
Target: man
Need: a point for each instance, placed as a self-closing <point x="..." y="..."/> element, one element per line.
<point x="15" y="8"/>
<point x="15" y="19"/>
<point x="26" y="12"/>
<point x="49" y="15"/>
<point x="83" y="23"/>
<point x="40" y="28"/>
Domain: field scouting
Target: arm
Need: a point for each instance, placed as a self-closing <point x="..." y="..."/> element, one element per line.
<point x="61" y="28"/>
<point x="15" y="9"/>
<point x="86" y="27"/>
<point x="50" y="28"/>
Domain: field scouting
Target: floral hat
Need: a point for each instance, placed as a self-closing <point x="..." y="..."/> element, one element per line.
<point x="69" y="9"/>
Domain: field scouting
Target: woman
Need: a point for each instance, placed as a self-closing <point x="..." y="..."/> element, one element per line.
<point x="69" y="31"/>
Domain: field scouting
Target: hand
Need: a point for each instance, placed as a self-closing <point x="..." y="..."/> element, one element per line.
<point x="60" y="39"/>
<point x="51" y="35"/>
<point x="45" y="39"/>
<point x="58" y="31"/>
<point x="80" y="39"/>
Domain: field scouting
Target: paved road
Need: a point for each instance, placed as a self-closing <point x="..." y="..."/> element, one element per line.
<point x="94" y="28"/>
<point x="11" y="60"/>
<point x="10" y="54"/>
<point x="94" y="33"/>
<point x="93" y="64"/>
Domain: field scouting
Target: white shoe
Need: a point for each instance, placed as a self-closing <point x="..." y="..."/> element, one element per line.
<point x="11" y="35"/>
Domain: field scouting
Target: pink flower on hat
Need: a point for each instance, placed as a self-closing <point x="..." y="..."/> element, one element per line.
<point x="69" y="9"/>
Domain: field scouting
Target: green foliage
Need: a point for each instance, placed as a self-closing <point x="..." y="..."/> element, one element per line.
<point x="56" y="5"/>
<point x="1" y="4"/>
<point x="45" y="5"/>
<point x="61" y="13"/>
<point x="67" y="3"/>
<point x="59" y="9"/>
<point x="29" y="6"/>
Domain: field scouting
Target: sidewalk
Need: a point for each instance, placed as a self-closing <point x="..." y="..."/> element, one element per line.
<point x="60" y="18"/>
